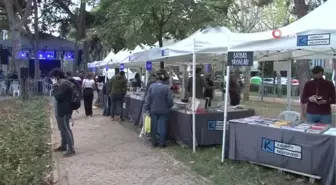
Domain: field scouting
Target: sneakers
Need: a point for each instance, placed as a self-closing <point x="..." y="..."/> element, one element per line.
<point x="69" y="154"/>
<point x="60" y="149"/>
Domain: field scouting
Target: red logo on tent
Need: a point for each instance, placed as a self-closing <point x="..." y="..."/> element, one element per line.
<point x="276" y="34"/>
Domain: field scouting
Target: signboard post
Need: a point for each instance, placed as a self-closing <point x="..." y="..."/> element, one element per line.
<point x="237" y="59"/>
<point x="121" y="67"/>
<point x="313" y="40"/>
<point x="148" y="65"/>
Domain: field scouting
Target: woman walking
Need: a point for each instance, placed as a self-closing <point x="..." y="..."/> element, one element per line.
<point x="88" y="86"/>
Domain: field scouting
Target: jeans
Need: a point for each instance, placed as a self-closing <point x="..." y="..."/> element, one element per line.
<point x="318" y="118"/>
<point x="63" y="123"/>
<point x="117" y="99"/>
<point x="159" y="121"/>
<point x="106" y="105"/>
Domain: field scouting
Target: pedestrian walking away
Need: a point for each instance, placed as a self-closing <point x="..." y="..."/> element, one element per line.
<point x="88" y="86"/>
<point x="118" y="92"/>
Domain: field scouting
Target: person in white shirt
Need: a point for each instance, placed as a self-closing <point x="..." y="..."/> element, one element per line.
<point x="88" y="86"/>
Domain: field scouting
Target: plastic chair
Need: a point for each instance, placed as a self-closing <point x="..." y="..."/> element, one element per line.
<point x="290" y="116"/>
<point x="15" y="89"/>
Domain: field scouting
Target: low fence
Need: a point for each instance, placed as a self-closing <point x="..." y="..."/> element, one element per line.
<point x="8" y="87"/>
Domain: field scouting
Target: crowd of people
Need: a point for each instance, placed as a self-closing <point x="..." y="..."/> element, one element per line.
<point x="158" y="99"/>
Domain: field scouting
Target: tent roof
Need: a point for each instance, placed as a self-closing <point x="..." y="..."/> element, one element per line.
<point x="286" y="47"/>
<point x="46" y="41"/>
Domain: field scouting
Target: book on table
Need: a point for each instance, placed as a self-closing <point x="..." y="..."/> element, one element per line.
<point x="318" y="128"/>
<point x="331" y="132"/>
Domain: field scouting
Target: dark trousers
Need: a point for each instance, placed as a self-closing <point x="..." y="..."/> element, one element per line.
<point x="159" y="121"/>
<point x="63" y="123"/>
<point x="234" y="99"/>
<point x="88" y="98"/>
<point x="117" y="99"/>
<point x="107" y="105"/>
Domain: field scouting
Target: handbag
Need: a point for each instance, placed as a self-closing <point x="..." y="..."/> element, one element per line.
<point x="147" y="123"/>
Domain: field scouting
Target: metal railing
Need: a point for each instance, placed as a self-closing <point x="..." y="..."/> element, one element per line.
<point x="33" y="87"/>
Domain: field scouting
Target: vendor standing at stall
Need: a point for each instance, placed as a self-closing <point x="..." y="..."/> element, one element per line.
<point x="317" y="97"/>
<point x="200" y="84"/>
<point x="234" y="90"/>
<point x="208" y="93"/>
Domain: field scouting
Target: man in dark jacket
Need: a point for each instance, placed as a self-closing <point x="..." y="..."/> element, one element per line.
<point x="200" y="84"/>
<point x="157" y="103"/>
<point x="118" y="91"/>
<point x="63" y="91"/>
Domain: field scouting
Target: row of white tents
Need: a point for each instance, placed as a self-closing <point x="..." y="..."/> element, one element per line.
<point x="310" y="37"/>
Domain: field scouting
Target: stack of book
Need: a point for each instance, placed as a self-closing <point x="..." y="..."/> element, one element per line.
<point x="331" y="132"/>
<point x="318" y="128"/>
<point x="303" y="127"/>
<point x="278" y="124"/>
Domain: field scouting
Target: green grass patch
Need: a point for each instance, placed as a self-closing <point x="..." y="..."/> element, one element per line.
<point x="24" y="137"/>
<point x="207" y="162"/>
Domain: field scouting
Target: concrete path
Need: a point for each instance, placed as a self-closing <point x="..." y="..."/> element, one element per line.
<point x="110" y="154"/>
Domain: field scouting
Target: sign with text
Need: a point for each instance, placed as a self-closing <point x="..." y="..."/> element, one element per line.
<point x="121" y="67"/>
<point x="244" y="58"/>
<point x="148" y="65"/>
<point x="279" y="148"/>
<point x="313" y="39"/>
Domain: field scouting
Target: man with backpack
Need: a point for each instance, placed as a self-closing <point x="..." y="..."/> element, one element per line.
<point x="66" y="101"/>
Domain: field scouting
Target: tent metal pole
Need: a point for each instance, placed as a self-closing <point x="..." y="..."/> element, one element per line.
<point x="289" y="84"/>
<point x="225" y="110"/>
<point x="193" y="97"/>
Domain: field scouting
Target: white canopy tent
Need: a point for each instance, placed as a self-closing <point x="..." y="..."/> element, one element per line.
<point x="181" y="52"/>
<point x="310" y="37"/>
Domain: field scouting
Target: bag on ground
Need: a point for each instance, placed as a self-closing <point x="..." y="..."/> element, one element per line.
<point x="147" y="123"/>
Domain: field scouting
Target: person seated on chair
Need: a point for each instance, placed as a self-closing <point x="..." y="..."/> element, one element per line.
<point x="317" y="97"/>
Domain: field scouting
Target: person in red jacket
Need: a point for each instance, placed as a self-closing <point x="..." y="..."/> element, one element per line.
<point x="317" y="97"/>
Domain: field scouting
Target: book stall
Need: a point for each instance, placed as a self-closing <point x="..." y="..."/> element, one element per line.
<point x="297" y="147"/>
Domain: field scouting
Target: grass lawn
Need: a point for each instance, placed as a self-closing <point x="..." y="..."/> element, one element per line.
<point x="206" y="161"/>
<point x="24" y="137"/>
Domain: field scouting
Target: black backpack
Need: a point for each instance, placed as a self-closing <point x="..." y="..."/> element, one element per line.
<point x="75" y="100"/>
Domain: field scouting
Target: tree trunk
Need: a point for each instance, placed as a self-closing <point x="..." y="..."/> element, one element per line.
<point x="85" y="55"/>
<point x="79" y="33"/>
<point x="14" y="27"/>
<point x="303" y="73"/>
<point x="247" y="76"/>
<point x="160" y="40"/>
<point x="302" y="66"/>
<point x="36" y="42"/>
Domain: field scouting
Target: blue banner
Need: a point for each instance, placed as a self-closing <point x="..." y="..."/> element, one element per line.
<point x="121" y="67"/>
<point x="148" y="65"/>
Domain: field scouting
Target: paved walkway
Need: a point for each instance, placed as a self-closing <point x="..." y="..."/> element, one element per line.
<point x="110" y="154"/>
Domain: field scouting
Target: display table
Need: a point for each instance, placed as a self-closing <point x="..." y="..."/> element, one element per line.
<point x="302" y="152"/>
<point x="134" y="108"/>
<point x="209" y="126"/>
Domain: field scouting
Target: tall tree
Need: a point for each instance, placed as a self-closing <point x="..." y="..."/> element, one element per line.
<point x="244" y="17"/>
<point x="148" y="21"/>
<point x="68" y="15"/>
<point x="18" y="12"/>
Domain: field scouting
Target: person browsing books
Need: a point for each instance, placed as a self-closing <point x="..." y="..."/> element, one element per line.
<point x="317" y="97"/>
